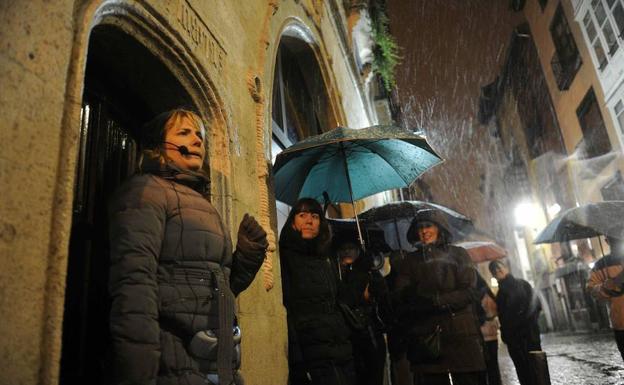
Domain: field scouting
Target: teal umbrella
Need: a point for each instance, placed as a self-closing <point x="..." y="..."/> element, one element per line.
<point x="351" y="164"/>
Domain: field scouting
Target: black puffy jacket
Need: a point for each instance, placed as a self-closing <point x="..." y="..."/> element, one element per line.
<point x="172" y="275"/>
<point x="317" y="330"/>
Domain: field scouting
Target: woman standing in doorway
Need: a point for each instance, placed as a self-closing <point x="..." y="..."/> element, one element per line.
<point x="319" y="351"/>
<point x="173" y="276"/>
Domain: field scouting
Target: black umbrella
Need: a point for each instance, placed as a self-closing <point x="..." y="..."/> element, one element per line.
<point x="395" y="218"/>
<point x="586" y="221"/>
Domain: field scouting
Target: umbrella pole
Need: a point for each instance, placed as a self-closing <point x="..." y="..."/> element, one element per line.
<point x="600" y="243"/>
<point x="357" y="221"/>
<point x="396" y="230"/>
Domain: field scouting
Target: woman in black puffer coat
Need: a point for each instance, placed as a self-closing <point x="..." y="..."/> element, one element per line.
<point x="173" y="276"/>
<point x="436" y="290"/>
<point x="318" y="338"/>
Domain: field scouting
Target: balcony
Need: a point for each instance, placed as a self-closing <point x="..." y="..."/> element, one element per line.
<point x="565" y="70"/>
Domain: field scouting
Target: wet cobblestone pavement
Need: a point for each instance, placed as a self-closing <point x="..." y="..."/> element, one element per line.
<point x="582" y="359"/>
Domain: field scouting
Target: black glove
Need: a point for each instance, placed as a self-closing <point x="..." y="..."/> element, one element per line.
<point x="252" y="239"/>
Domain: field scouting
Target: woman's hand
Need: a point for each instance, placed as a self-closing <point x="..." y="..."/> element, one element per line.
<point x="252" y="239"/>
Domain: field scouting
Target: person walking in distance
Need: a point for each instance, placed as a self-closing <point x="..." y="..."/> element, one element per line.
<point x="487" y="313"/>
<point x="518" y="311"/>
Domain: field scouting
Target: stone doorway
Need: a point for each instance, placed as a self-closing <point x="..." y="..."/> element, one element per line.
<point x="125" y="85"/>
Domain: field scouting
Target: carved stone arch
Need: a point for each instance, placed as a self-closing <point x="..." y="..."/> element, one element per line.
<point x="296" y="29"/>
<point x="145" y="24"/>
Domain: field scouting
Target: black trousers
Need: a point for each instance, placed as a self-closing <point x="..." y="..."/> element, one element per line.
<point x="327" y="373"/>
<point x="491" y="363"/>
<point x="519" y="353"/>
<point x="619" y="340"/>
<point x="333" y="373"/>
<point x="470" y="378"/>
<point x="369" y="357"/>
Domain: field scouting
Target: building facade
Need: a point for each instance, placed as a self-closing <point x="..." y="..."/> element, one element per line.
<point x="79" y="77"/>
<point x="561" y="120"/>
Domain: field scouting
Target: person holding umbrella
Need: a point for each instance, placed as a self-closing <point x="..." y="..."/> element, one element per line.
<point x="605" y="283"/>
<point x="435" y="294"/>
<point x="319" y="350"/>
<point x="365" y="294"/>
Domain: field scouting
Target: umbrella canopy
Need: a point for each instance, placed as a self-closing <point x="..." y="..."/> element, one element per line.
<point x="586" y="221"/>
<point x="351" y="164"/>
<point x="395" y="218"/>
<point x="483" y="251"/>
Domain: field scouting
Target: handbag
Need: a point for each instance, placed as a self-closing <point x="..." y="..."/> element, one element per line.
<point x="427" y="348"/>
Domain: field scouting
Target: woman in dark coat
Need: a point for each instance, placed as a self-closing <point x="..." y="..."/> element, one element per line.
<point x="435" y="290"/>
<point x="173" y="276"/>
<point x="319" y="351"/>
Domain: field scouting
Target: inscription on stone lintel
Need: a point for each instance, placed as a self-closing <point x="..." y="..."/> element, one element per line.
<point x="204" y="43"/>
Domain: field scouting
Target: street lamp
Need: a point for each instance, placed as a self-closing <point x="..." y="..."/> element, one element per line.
<point x="553" y="210"/>
<point x="525" y="214"/>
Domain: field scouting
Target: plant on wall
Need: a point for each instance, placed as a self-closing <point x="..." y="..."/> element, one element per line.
<point x="386" y="52"/>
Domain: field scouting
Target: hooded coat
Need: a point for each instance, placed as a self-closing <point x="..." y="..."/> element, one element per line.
<point x="172" y="275"/>
<point x="436" y="287"/>
<point x="317" y="330"/>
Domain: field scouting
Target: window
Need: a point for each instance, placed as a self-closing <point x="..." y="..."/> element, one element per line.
<point x="301" y="105"/>
<point x="300" y="101"/>
<point x="595" y="137"/>
<point x="603" y="24"/>
<point x="566" y="61"/>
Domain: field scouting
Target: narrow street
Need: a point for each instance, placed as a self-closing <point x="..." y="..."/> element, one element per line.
<point x="585" y="359"/>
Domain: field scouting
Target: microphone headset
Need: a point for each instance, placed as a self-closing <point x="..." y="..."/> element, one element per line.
<point x="182" y="149"/>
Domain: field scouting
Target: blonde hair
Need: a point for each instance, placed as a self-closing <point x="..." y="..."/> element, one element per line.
<point x="156" y="131"/>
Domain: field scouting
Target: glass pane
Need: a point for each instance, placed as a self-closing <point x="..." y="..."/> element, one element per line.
<point x="609" y="35"/>
<point x="600" y="13"/>
<point x="276" y="148"/>
<point x="589" y="27"/>
<point x="587" y="19"/>
<point x="618" y="15"/>
<point x="600" y="54"/>
<point x="618" y="107"/>
<point x="620" y="119"/>
<point x="610" y="3"/>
